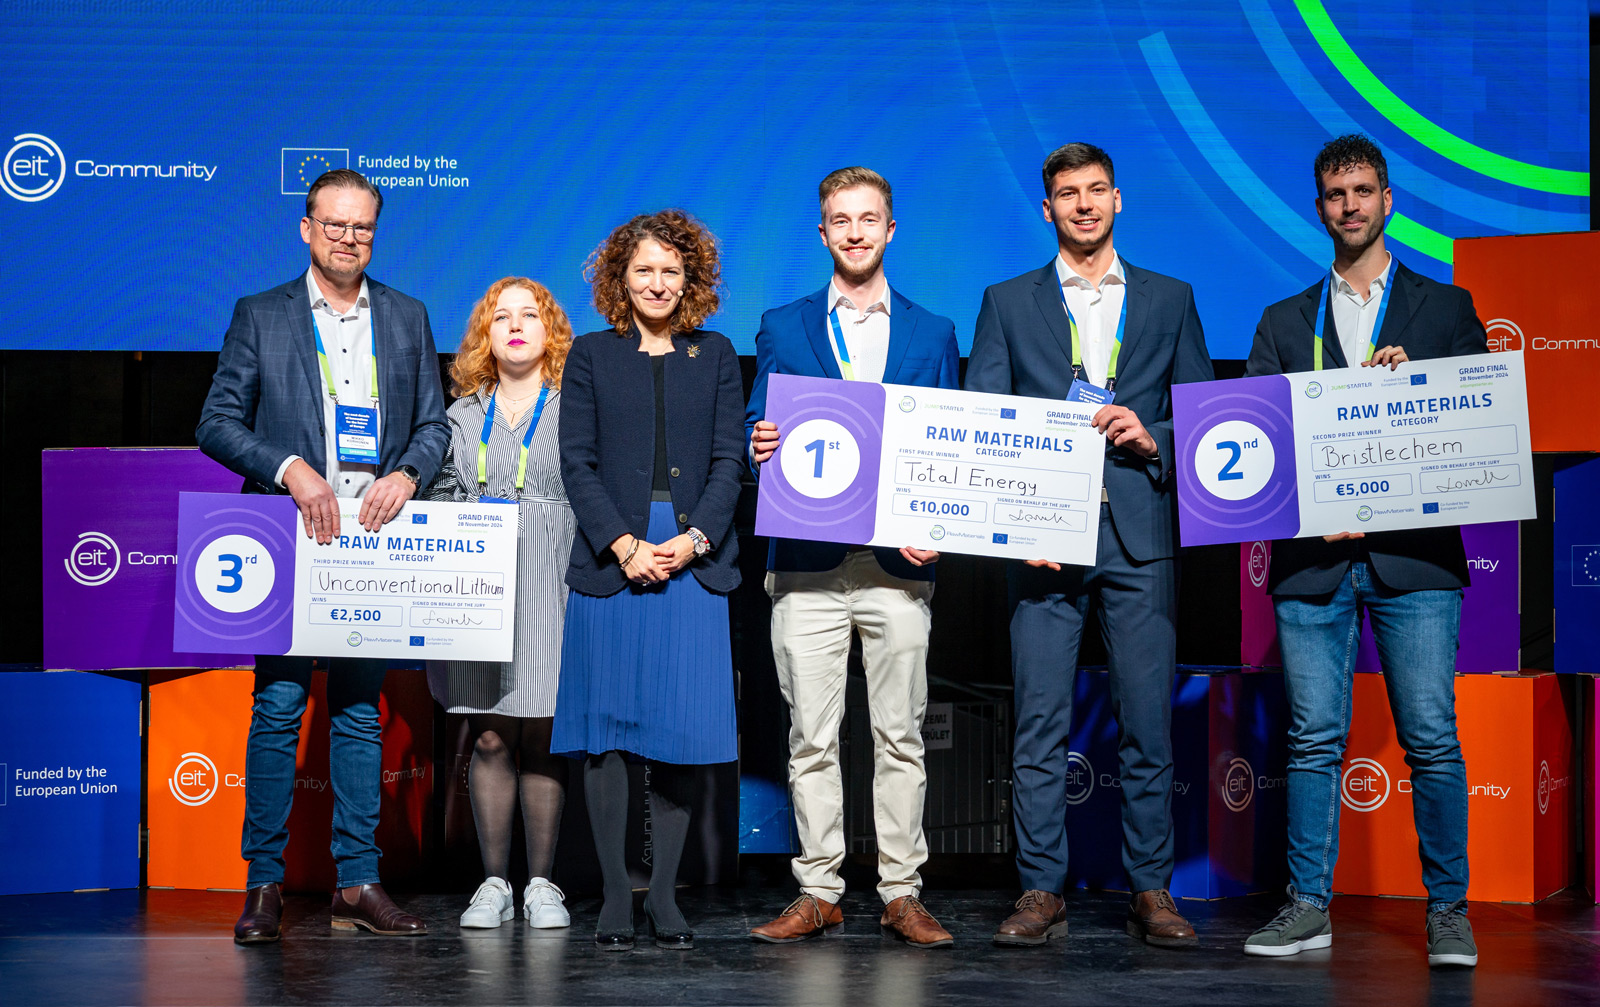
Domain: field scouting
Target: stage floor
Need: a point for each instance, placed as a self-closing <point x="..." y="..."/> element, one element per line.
<point x="168" y="947"/>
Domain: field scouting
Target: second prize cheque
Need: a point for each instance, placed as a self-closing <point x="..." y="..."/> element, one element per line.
<point x="1433" y="443"/>
<point x="931" y="468"/>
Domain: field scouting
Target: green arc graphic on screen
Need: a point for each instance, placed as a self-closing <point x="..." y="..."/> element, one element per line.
<point x="1416" y="125"/>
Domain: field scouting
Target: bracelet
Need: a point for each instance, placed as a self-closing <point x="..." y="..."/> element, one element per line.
<point x="631" y="550"/>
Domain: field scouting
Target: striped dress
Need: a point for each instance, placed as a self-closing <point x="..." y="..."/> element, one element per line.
<point x="525" y="686"/>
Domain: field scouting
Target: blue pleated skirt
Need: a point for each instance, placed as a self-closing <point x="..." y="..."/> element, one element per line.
<point x="648" y="671"/>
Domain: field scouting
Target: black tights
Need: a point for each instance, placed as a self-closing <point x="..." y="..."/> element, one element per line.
<point x="510" y="757"/>
<point x="605" y="787"/>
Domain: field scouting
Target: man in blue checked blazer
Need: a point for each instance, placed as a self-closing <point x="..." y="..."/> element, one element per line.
<point x="307" y="370"/>
<point x="856" y="328"/>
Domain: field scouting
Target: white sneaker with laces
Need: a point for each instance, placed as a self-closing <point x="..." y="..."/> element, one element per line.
<point x="491" y="905"/>
<point x="542" y="905"/>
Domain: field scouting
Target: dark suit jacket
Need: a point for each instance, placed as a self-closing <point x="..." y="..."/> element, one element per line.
<point x="1429" y="319"/>
<point x="265" y="402"/>
<point x="1024" y="347"/>
<point x="794" y="339"/>
<point x="608" y="450"/>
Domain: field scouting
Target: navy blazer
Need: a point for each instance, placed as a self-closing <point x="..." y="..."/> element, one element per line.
<point x="1430" y="320"/>
<point x="794" y="340"/>
<point x="608" y="450"/>
<point x="265" y="402"/>
<point x="1024" y="347"/>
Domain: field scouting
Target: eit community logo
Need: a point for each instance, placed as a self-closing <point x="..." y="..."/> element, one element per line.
<point x="34" y="168"/>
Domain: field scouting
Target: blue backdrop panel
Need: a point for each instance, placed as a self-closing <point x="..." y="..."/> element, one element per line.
<point x="157" y="151"/>
<point x="1577" y="569"/>
<point x="69" y="755"/>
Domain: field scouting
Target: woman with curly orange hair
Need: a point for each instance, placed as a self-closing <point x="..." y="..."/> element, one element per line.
<point x="505" y="447"/>
<point x="652" y="446"/>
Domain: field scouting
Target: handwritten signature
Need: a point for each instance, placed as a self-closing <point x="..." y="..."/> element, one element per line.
<point x="1488" y="477"/>
<point x="449" y="619"/>
<point x="1039" y="517"/>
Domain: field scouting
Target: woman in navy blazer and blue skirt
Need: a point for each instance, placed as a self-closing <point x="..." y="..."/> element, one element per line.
<point x="652" y="445"/>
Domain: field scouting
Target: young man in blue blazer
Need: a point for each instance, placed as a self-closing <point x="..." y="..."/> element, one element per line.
<point x="1374" y="312"/>
<point x="858" y="329"/>
<point x="1089" y="315"/>
<point x="294" y="359"/>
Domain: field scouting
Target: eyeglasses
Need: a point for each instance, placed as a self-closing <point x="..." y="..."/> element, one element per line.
<point x="335" y="232"/>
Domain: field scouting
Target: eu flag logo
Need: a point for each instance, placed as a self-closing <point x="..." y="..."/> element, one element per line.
<point x="1419" y="379"/>
<point x="999" y="538"/>
<point x="298" y="167"/>
<point x="419" y="519"/>
<point x="1586" y="566"/>
<point x="1430" y="508"/>
<point x="416" y="641"/>
<point x="1008" y="414"/>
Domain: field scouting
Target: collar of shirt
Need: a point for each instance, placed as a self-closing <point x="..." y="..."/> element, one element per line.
<point x="1341" y="285"/>
<point x="319" y="301"/>
<point x="835" y="298"/>
<point x="1067" y="275"/>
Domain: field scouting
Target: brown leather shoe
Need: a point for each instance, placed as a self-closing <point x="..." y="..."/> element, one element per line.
<point x="376" y="912"/>
<point x="1040" y="917"/>
<point x="807" y="916"/>
<point x="1153" y="917"/>
<point x="263" y="912"/>
<point x="906" y="919"/>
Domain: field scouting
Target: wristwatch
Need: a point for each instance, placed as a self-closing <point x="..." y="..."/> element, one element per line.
<point x="412" y="474"/>
<point x="702" y="545"/>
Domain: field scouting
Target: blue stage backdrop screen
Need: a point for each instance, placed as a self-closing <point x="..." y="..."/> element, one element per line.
<point x="158" y="153"/>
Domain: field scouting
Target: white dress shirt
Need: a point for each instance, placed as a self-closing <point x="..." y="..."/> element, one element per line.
<point x="1354" y="315"/>
<point x="866" y="332"/>
<point x="1097" y="311"/>
<point x="347" y="338"/>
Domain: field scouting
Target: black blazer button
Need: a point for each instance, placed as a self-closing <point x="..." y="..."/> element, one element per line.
<point x="674" y="471"/>
<point x="683" y="519"/>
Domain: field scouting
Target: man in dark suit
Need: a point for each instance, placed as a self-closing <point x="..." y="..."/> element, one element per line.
<point x="1089" y="316"/>
<point x="1368" y="310"/>
<point x="858" y="329"/>
<point x="306" y="371"/>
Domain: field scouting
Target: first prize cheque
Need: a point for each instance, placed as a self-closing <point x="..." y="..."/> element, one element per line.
<point x="1436" y="442"/>
<point x="930" y="468"/>
<point x="438" y="581"/>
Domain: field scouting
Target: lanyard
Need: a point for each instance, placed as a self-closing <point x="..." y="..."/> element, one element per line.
<point x="846" y="368"/>
<point x="527" y="438"/>
<point x="327" y="372"/>
<point x="1377" y="325"/>
<point x="1077" y="349"/>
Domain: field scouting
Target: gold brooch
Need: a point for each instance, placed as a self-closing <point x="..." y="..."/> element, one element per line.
<point x="694" y="349"/>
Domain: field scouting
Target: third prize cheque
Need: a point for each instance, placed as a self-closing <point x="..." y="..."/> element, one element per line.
<point x="932" y="468"/>
<point x="1434" y="443"/>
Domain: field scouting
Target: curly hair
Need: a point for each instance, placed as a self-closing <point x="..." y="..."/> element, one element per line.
<point x="702" y="269"/>
<point x="1353" y="150"/>
<point x="474" y="368"/>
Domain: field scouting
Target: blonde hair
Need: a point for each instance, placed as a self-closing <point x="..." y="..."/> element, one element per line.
<point x="849" y="178"/>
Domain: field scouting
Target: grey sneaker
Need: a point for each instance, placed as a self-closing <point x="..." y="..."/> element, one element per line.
<point x="1450" y="937"/>
<point x="1299" y="926"/>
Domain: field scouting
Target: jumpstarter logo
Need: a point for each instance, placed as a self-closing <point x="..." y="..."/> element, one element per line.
<point x="34" y="168"/>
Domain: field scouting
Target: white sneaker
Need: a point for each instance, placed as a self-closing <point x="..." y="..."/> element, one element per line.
<point x="542" y="905"/>
<point x="491" y="905"/>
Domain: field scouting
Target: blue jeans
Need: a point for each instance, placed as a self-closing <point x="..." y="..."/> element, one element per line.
<point x="1417" y="633"/>
<point x="355" y="757"/>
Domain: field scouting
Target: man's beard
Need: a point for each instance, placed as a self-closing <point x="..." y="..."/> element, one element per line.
<point x="856" y="272"/>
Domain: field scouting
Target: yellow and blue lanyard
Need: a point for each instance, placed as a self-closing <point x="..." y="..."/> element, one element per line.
<point x="1377" y="325"/>
<point x="527" y="440"/>
<point x="327" y="372"/>
<point x="1077" y="347"/>
<point x="846" y="368"/>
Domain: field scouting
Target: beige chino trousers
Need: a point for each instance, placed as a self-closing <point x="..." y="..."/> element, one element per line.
<point x="813" y="615"/>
